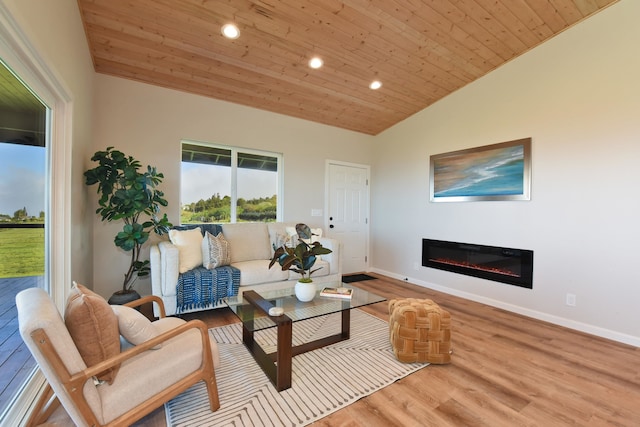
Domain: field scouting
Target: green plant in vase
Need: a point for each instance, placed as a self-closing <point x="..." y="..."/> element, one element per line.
<point x="301" y="259"/>
<point x="132" y="196"/>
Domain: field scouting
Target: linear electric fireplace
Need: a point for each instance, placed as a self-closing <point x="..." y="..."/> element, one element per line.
<point x="506" y="265"/>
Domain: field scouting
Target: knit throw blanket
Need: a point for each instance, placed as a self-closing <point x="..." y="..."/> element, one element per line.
<point x="200" y="288"/>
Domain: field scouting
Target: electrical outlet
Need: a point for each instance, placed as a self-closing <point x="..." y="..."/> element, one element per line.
<point x="571" y="300"/>
<point x="416" y="266"/>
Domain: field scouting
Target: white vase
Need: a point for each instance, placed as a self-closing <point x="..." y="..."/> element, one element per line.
<point x="305" y="291"/>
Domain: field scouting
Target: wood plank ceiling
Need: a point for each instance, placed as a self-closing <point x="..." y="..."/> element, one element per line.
<point x="420" y="50"/>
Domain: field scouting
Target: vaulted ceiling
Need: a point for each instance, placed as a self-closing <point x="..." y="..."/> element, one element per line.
<point x="420" y="51"/>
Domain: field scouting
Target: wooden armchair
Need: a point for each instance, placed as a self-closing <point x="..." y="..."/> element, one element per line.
<point x="148" y="374"/>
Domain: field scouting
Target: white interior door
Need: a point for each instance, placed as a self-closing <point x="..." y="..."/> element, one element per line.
<point x="348" y="212"/>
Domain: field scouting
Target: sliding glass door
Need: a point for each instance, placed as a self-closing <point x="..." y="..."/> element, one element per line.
<point x="23" y="188"/>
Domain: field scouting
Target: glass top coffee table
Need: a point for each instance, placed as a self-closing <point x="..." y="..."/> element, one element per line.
<point x="252" y="308"/>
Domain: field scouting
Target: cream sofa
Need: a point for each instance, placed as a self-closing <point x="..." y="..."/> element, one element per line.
<point x="251" y="248"/>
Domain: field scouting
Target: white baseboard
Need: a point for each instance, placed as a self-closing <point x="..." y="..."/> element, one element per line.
<point x="556" y="320"/>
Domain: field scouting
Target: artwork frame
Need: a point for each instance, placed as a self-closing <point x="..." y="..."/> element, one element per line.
<point x="495" y="172"/>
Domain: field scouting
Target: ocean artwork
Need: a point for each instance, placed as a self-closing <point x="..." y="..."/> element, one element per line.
<point x="496" y="172"/>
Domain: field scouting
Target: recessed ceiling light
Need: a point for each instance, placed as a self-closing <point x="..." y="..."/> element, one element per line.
<point x="230" y="31"/>
<point x="315" y="62"/>
<point x="375" y="85"/>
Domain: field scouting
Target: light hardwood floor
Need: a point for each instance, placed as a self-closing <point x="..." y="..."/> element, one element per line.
<point x="506" y="370"/>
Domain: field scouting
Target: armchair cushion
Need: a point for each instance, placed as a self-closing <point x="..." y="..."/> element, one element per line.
<point x="134" y="326"/>
<point x="167" y="323"/>
<point x="143" y="376"/>
<point x="189" y="243"/>
<point x="93" y="326"/>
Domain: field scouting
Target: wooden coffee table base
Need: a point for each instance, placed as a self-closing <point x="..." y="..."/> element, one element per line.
<point x="277" y="365"/>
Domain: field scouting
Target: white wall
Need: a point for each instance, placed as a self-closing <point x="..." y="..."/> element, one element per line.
<point x="55" y="30"/>
<point x="578" y="97"/>
<point x="148" y="123"/>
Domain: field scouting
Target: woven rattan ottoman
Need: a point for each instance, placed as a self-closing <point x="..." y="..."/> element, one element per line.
<point x="420" y="331"/>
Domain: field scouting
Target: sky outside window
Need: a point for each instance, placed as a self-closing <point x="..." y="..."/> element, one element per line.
<point x="200" y="182"/>
<point x="22" y="178"/>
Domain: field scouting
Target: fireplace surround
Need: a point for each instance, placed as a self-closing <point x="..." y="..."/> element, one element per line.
<point x="505" y="265"/>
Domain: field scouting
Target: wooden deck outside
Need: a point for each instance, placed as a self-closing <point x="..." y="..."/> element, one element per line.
<point x="16" y="363"/>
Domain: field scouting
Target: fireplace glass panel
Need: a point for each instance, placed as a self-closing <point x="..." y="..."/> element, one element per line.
<point x="505" y="265"/>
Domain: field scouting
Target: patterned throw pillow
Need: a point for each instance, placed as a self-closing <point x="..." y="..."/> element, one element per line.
<point x="285" y="240"/>
<point x="316" y="234"/>
<point x="215" y="251"/>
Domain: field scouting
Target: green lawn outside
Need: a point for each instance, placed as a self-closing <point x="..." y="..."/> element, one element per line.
<point x="21" y="252"/>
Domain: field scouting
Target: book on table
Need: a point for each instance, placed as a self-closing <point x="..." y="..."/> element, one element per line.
<point x="345" y="293"/>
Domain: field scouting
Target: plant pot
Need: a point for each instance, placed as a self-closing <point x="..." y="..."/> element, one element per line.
<point x="120" y="298"/>
<point x="305" y="291"/>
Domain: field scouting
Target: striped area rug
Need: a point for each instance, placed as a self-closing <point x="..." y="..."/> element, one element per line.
<point x="323" y="380"/>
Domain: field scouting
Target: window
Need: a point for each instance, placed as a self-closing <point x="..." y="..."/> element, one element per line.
<point x="227" y="184"/>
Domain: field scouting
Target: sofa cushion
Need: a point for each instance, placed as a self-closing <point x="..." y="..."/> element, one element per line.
<point x="215" y="251"/>
<point x="258" y="271"/>
<point x="189" y="244"/>
<point x="248" y="241"/>
<point x="93" y="326"/>
<point x="134" y="326"/>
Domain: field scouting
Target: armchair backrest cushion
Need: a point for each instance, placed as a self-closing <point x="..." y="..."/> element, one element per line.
<point x="93" y="326"/>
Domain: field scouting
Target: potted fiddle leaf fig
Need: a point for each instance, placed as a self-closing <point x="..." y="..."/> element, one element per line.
<point x="132" y="196"/>
<point x="301" y="259"/>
